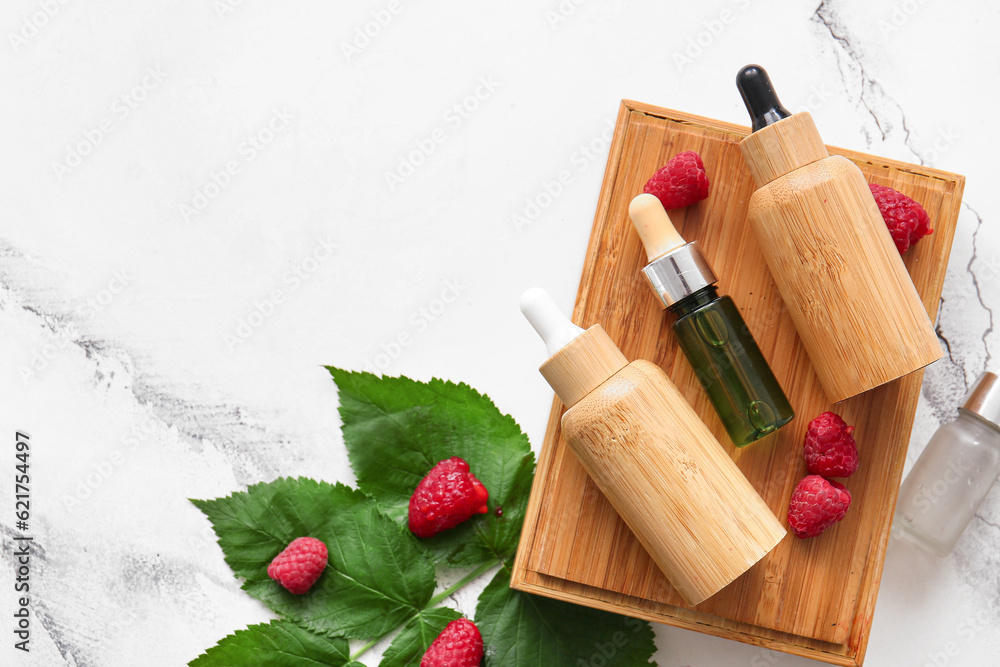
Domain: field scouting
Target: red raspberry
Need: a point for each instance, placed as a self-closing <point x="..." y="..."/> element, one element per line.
<point x="830" y="449"/>
<point x="907" y="220"/>
<point x="816" y="505"/>
<point x="446" y="497"/>
<point x="458" y="645"/>
<point x="681" y="182"/>
<point x="298" y="567"/>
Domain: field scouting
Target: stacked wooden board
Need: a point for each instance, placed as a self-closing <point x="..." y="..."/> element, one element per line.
<point x="808" y="597"/>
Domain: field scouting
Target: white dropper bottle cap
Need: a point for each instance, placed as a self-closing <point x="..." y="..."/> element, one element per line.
<point x="551" y="324"/>
<point x="655" y="229"/>
<point x="579" y="361"/>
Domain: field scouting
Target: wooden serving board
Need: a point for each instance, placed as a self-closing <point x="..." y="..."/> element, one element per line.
<point x="812" y="597"/>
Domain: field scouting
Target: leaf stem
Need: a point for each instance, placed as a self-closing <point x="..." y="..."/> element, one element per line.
<point x="433" y="602"/>
<point x="461" y="583"/>
<point x="364" y="649"/>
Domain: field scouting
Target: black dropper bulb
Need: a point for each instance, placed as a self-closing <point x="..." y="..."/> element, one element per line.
<point x="759" y="96"/>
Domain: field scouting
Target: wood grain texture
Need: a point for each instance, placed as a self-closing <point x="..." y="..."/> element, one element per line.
<point x="672" y="483"/>
<point x="583" y="365"/>
<point x="839" y="273"/>
<point x="774" y="150"/>
<point x="809" y="597"/>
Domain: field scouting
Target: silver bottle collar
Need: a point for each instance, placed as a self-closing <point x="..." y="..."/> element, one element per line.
<point x="679" y="273"/>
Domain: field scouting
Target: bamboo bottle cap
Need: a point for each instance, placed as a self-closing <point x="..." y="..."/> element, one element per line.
<point x="580" y="360"/>
<point x="775" y="150"/>
<point x="780" y="142"/>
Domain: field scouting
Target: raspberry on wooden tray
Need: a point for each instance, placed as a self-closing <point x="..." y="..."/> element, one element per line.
<point x="679" y="183"/>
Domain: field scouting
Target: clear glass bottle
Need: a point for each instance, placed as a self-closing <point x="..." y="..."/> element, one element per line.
<point x="710" y="329"/>
<point x="954" y="472"/>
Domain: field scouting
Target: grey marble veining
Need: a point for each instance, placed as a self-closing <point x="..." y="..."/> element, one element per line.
<point x="149" y="358"/>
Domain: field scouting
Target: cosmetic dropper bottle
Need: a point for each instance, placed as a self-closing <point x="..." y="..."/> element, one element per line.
<point x="659" y="466"/>
<point x="710" y="329"/>
<point x="846" y="288"/>
<point x="954" y="472"/>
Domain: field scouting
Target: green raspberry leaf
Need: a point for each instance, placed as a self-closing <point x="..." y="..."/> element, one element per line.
<point x="520" y="629"/>
<point x="416" y="637"/>
<point x="397" y="429"/>
<point x="377" y="576"/>
<point x="275" y="644"/>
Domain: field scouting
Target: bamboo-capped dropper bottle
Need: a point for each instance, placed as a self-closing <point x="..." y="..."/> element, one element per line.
<point x="659" y="466"/>
<point x="839" y="273"/>
<point x="710" y="329"/>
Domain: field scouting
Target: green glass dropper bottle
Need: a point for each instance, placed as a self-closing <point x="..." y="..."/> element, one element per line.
<point x="710" y="329"/>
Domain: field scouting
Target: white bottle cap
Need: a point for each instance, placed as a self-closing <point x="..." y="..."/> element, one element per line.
<point x="555" y="329"/>
<point x="579" y="361"/>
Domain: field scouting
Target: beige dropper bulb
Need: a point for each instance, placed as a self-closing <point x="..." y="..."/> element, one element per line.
<point x="653" y="224"/>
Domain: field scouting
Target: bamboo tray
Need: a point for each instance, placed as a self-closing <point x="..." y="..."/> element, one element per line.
<point x="813" y="598"/>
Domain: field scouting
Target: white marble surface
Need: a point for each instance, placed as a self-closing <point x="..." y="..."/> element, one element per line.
<point x="143" y="388"/>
